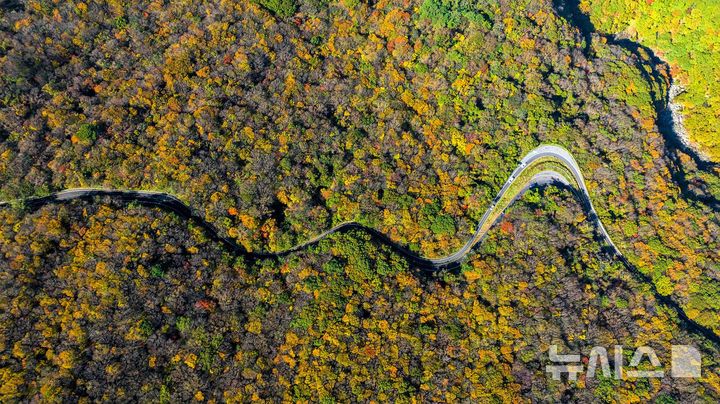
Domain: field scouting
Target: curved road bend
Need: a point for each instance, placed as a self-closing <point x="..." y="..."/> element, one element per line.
<point x="577" y="184"/>
<point x="558" y="153"/>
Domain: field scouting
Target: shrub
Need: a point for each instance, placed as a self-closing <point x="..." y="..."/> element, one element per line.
<point x="452" y="13"/>
<point x="281" y="8"/>
<point x="182" y="324"/>
<point x="87" y="133"/>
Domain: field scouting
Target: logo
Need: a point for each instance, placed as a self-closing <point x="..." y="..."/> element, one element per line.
<point x="685" y="362"/>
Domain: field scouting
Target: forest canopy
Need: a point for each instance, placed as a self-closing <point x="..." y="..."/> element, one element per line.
<point x="685" y="33"/>
<point x="273" y="121"/>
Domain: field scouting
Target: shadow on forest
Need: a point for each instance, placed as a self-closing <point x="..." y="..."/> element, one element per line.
<point x="658" y="77"/>
<point x="422" y="267"/>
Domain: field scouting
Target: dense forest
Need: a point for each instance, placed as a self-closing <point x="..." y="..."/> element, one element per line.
<point x="131" y="303"/>
<point x="276" y="119"/>
<point x="686" y="33"/>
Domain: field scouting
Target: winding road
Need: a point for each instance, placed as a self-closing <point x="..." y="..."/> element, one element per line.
<point x="494" y="212"/>
<point x="556" y="153"/>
